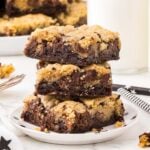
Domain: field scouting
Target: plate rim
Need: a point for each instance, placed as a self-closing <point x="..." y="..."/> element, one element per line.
<point x="13" y="37"/>
<point x="12" y="45"/>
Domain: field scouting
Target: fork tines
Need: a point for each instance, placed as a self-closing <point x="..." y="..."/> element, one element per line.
<point x="11" y="82"/>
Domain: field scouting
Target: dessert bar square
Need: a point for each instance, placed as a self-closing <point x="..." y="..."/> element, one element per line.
<point x="70" y="81"/>
<point x="48" y="7"/>
<point x="70" y="116"/>
<point x="80" y="46"/>
<point x="24" y="25"/>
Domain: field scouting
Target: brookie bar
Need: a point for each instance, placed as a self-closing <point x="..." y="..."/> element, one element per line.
<point x="72" y="117"/>
<point x="70" y="81"/>
<point x="80" y="46"/>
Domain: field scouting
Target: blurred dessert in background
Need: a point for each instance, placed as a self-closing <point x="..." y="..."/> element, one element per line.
<point x="48" y="7"/>
<point x="75" y="15"/>
<point x="21" y="17"/>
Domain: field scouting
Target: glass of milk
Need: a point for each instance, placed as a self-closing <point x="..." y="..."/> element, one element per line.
<point x="130" y="19"/>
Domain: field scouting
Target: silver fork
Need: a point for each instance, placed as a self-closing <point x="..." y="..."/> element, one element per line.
<point x="4" y="117"/>
<point x="11" y="82"/>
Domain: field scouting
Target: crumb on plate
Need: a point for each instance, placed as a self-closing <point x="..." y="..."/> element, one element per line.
<point x="144" y="140"/>
<point x="6" y="70"/>
<point x="37" y="129"/>
<point x="119" y="124"/>
<point x="95" y="130"/>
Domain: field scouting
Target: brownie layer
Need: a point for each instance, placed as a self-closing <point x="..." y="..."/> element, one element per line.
<point x="24" y="25"/>
<point x="75" y="15"/>
<point x="80" y="46"/>
<point x="70" y="116"/>
<point x="70" y="81"/>
<point x="2" y="7"/>
<point x="41" y="64"/>
<point x="48" y="7"/>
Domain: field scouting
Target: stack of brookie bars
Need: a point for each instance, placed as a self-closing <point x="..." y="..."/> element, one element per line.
<point x="73" y="81"/>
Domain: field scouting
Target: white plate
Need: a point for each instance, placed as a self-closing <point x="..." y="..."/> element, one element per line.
<point x="12" y="45"/>
<point x="108" y="133"/>
<point x="15" y="143"/>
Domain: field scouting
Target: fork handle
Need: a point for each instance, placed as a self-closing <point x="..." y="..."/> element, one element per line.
<point x="134" y="99"/>
<point x="132" y="89"/>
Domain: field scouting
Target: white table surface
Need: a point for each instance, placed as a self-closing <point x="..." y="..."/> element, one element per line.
<point x="15" y="95"/>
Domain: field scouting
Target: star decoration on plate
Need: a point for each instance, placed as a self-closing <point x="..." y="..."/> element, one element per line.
<point x="4" y="144"/>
